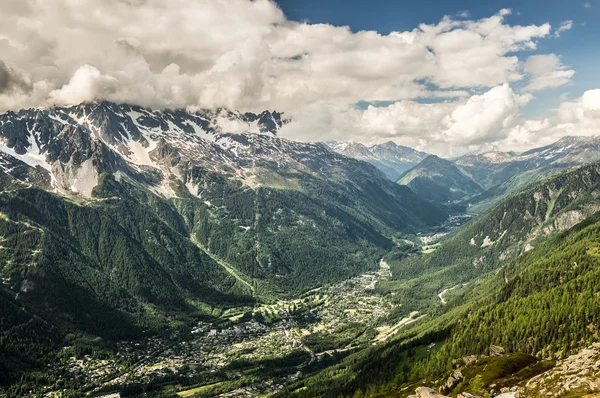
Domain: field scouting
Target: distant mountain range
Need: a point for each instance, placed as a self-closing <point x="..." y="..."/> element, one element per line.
<point x="476" y="180"/>
<point x="501" y="173"/>
<point x="440" y="181"/>
<point x="391" y="158"/>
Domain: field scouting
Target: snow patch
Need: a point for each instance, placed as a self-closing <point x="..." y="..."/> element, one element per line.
<point x="200" y="133"/>
<point x="140" y="155"/>
<point x="32" y="158"/>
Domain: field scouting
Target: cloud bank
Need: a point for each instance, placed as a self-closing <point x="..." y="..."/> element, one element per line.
<point x="247" y="55"/>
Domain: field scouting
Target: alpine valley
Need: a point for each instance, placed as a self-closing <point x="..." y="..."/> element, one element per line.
<point x="171" y="253"/>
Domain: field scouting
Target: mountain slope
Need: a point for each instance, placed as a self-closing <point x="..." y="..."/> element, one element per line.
<point x="118" y="221"/>
<point x="391" y="158"/>
<point x="117" y="215"/>
<point x="439" y="180"/>
<point x="246" y="196"/>
<point x="502" y="173"/>
<point x="515" y="225"/>
<point x="540" y="308"/>
<point x="512" y="268"/>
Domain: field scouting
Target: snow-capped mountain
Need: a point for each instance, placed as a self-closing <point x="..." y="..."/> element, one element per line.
<point x="68" y="149"/>
<point x="142" y="202"/>
<point x="491" y="168"/>
<point x="391" y="158"/>
<point x="501" y="173"/>
<point x="74" y="145"/>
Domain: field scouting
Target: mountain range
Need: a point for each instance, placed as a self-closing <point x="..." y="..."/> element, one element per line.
<point x="125" y="227"/>
<point x="501" y="173"/>
<point x="477" y="180"/>
<point x="115" y="213"/>
<point x="389" y="157"/>
<point x="440" y="181"/>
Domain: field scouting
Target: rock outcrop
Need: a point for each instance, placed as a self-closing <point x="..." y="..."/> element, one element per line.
<point x="426" y="392"/>
<point x="579" y="373"/>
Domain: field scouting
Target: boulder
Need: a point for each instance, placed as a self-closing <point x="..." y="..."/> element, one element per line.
<point x="496" y="350"/>
<point x="426" y="392"/>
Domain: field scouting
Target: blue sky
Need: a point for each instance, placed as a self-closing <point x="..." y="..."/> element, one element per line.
<point x="578" y="48"/>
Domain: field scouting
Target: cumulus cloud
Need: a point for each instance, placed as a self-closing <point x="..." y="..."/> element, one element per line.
<point x="580" y="117"/>
<point x="247" y="55"/>
<point x="526" y="135"/>
<point x="488" y="121"/>
<point x="484" y="117"/>
<point x="87" y="84"/>
<point x="447" y="128"/>
<point x="244" y="54"/>
<point x="546" y="71"/>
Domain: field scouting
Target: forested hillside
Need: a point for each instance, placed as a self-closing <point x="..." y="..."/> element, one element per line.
<point x="542" y="303"/>
<point x="119" y="223"/>
<point x="514" y="226"/>
<point x="440" y="181"/>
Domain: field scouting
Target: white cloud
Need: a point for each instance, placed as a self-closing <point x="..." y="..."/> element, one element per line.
<point x="546" y="71"/>
<point x="485" y="117"/>
<point x="489" y="121"/>
<point x="587" y="5"/>
<point x="247" y="55"/>
<point x="87" y="84"/>
<point x="244" y="55"/>
<point x="566" y="25"/>
<point x="463" y="14"/>
<point x="446" y="128"/>
<point x="580" y="117"/>
<point x="526" y="135"/>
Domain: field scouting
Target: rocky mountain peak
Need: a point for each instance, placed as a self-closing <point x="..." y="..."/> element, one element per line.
<point x="389" y="157"/>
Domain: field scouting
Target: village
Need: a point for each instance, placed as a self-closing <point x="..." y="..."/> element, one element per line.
<point x="296" y="331"/>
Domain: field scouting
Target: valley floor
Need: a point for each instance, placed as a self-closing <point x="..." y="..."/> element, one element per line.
<point x="239" y="356"/>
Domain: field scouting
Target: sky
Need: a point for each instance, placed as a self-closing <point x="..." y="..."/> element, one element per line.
<point x="580" y="47"/>
<point x="448" y="77"/>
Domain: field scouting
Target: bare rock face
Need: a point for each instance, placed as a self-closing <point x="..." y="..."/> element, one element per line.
<point x="571" y="218"/>
<point x="496" y="351"/>
<point x="454" y="379"/>
<point x="578" y="373"/>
